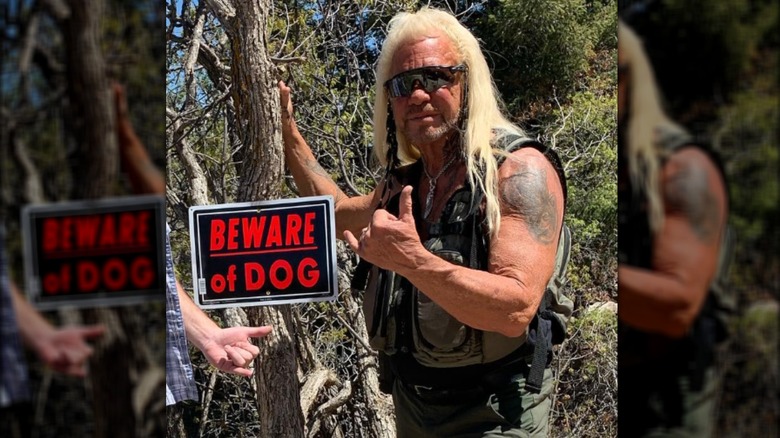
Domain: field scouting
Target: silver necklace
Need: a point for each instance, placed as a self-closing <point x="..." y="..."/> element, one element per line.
<point x="432" y="186"/>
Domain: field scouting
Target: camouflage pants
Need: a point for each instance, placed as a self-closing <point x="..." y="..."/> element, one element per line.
<point x="506" y="411"/>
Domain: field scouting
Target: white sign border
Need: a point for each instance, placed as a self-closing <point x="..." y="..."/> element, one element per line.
<point x="102" y="205"/>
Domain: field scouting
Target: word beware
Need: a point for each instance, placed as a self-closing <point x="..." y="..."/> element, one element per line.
<point x="263" y="253"/>
<point x="254" y="234"/>
<point x="111" y="230"/>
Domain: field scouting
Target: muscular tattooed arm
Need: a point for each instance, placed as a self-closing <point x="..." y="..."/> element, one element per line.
<point x="688" y="193"/>
<point x="504" y="298"/>
<point x="526" y="195"/>
<point x="666" y="299"/>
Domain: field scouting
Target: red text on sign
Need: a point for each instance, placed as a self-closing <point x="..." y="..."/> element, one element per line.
<point x="280" y="275"/>
<point x="257" y="232"/>
<point x="112" y="275"/>
<point x="77" y="233"/>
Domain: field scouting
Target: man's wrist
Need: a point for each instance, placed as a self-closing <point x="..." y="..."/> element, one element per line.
<point x="416" y="259"/>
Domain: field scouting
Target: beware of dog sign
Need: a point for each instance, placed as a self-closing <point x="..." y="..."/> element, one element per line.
<point x="264" y="253"/>
<point x="95" y="253"/>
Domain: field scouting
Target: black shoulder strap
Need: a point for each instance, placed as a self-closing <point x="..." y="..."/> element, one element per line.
<point x="401" y="175"/>
<point x="360" y="276"/>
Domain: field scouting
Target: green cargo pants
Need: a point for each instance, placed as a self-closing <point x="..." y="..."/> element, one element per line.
<point x="508" y="411"/>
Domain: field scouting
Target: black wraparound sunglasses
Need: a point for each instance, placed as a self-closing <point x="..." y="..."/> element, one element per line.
<point x="430" y="78"/>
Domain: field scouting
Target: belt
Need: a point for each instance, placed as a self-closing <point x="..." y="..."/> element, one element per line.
<point x="446" y="396"/>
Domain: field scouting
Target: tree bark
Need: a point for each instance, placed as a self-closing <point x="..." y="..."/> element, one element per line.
<point x="127" y="384"/>
<point x="378" y="419"/>
<point x="92" y="107"/>
<point x="259" y="165"/>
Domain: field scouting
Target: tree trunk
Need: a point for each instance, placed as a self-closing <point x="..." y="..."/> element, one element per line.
<point x="260" y="169"/>
<point x="92" y="109"/>
<point x="378" y="418"/>
<point x="125" y="380"/>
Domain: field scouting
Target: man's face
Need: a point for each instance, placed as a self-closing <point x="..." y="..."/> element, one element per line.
<point x="423" y="117"/>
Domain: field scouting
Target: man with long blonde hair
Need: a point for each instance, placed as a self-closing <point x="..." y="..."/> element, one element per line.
<point x="673" y="212"/>
<point x="462" y="234"/>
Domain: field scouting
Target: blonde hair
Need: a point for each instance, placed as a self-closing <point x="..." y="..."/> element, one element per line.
<point x="647" y="124"/>
<point x="483" y="102"/>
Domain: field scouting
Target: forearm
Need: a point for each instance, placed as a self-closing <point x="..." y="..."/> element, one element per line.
<point x="32" y="325"/>
<point x="309" y="176"/>
<point x="352" y="213"/>
<point x="479" y="299"/>
<point x="144" y="176"/>
<point x="655" y="301"/>
<point x="198" y="326"/>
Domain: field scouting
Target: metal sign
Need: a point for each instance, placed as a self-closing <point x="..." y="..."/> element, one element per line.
<point x="95" y="253"/>
<point x="264" y="253"/>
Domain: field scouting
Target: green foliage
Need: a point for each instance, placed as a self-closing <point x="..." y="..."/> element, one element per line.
<point x="586" y="402"/>
<point x="700" y="49"/>
<point x="750" y="383"/>
<point x="747" y="139"/>
<point x="135" y="53"/>
<point x="758" y="328"/>
<point x="543" y="47"/>
<point x="584" y="134"/>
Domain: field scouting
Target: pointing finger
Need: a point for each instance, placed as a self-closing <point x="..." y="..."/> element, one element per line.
<point x="258" y="332"/>
<point x="91" y="331"/>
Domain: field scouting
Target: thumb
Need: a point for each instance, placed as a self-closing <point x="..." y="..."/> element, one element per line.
<point x="405" y="204"/>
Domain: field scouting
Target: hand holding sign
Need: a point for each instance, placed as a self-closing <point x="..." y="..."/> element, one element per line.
<point x="229" y="349"/>
<point x="389" y="241"/>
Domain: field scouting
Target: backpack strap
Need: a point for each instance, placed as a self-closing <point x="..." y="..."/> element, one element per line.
<point x="360" y="276"/>
<point x="546" y="334"/>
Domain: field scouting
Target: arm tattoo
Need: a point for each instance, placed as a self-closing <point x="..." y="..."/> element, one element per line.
<point x="688" y="192"/>
<point x="316" y="169"/>
<point x="525" y="193"/>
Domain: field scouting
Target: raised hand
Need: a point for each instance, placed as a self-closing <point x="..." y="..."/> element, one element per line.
<point x="388" y="241"/>
<point x="288" y="122"/>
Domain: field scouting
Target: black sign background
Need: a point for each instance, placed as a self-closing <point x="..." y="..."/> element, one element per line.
<point x="300" y="269"/>
<point x="53" y="275"/>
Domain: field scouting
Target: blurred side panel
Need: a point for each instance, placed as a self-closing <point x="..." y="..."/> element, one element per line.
<point x="716" y="66"/>
<point x="82" y="95"/>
